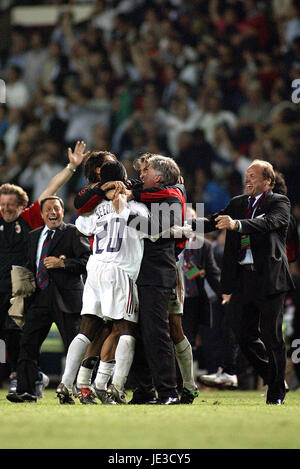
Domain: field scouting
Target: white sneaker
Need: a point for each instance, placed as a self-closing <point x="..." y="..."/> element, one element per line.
<point x="117" y="395"/>
<point x="41" y="384"/>
<point x="220" y="380"/>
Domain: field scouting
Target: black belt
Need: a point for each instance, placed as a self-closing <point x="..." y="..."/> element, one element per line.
<point x="249" y="267"/>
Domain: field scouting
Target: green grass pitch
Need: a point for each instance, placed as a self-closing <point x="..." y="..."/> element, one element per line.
<point x="217" y="419"/>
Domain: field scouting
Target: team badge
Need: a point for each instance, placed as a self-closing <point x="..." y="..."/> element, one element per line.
<point x="18" y="227"/>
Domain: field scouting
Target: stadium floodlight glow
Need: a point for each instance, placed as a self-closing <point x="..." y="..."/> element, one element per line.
<point x="2" y="92"/>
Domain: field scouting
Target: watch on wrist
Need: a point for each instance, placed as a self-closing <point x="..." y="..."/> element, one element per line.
<point x="71" y="169"/>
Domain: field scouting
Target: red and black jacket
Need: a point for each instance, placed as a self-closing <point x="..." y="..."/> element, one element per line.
<point x="14" y="241"/>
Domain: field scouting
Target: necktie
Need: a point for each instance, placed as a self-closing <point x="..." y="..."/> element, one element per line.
<point x="245" y="239"/>
<point x="191" y="287"/>
<point x="42" y="278"/>
<point x="250" y="207"/>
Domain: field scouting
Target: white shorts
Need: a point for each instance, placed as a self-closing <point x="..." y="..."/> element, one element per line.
<point x="176" y="301"/>
<point x="109" y="293"/>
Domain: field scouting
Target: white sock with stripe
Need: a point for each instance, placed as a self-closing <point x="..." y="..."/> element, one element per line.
<point x="105" y="372"/>
<point x="184" y="357"/>
<point x="124" y="357"/>
<point x="74" y="358"/>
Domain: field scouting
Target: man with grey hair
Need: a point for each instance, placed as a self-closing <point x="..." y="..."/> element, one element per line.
<point x="165" y="167"/>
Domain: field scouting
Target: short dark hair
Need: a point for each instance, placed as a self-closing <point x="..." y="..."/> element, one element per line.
<point x="96" y="159"/>
<point x="113" y="171"/>
<point x="51" y="197"/>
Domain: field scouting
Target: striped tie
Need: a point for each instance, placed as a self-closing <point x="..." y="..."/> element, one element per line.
<point x="42" y="278"/>
<point x="191" y="285"/>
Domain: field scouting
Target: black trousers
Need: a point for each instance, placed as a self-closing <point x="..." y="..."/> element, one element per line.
<point x="41" y="314"/>
<point x="154" y="360"/>
<point x="9" y="331"/>
<point x="229" y="345"/>
<point x="256" y="321"/>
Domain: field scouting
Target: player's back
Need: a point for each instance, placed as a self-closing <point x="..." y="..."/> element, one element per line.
<point x="114" y="241"/>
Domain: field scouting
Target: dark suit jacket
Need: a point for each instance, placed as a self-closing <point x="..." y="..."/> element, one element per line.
<point x="268" y="233"/>
<point x="66" y="284"/>
<point x="203" y="258"/>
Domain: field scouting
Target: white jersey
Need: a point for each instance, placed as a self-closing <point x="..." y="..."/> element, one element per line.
<point x="114" y="241"/>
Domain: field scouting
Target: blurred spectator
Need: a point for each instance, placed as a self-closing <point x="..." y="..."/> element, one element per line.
<point x="214" y="116"/>
<point x="209" y="192"/>
<point x="256" y="109"/>
<point x="17" y="95"/>
<point x="208" y="83"/>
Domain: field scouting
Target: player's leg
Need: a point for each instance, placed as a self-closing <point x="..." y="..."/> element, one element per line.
<point x="107" y="362"/>
<point x="89" y="364"/>
<point x="92" y="355"/>
<point x="184" y="357"/>
<point x="183" y="349"/>
<point x="124" y="356"/>
<point x="106" y="366"/>
<point x="90" y="324"/>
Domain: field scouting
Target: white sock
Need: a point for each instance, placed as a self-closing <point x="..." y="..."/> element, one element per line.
<point x="124" y="357"/>
<point x="105" y="372"/>
<point x="76" y="351"/>
<point x="184" y="356"/>
<point x="84" y="377"/>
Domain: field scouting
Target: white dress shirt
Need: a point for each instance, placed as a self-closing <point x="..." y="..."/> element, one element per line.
<point x="42" y="238"/>
<point x="248" y="259"/>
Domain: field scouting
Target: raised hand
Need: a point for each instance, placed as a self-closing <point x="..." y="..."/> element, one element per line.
<point x="77" y="156"/>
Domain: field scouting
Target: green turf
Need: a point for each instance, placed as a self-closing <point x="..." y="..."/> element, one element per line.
<point x="217" y="419"/>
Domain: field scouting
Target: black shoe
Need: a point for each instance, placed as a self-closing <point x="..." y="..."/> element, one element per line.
<point x="21" y="397"/>
<point x="187" y="397"/>
<point x="64" y="395"/>
<point x="168" y="401"/>
<point x="275" y="401"/>
<point x="143" y="399"/>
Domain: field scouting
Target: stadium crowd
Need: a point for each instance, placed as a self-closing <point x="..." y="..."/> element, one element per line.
<point x="208" y="83"/>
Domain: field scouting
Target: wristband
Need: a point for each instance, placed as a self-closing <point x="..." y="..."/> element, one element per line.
<point x="70" y="169"/>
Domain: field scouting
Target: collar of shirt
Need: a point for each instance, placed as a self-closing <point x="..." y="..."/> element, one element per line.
<point x="256" y="198"/>
<point x="45" y="232"/>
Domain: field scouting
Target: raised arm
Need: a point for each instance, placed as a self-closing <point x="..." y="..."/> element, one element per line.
<point x="75" y="159"/>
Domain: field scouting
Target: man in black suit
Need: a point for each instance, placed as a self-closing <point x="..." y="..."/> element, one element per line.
<point x="255" y="274"/>
<point x="57" y="258"/>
